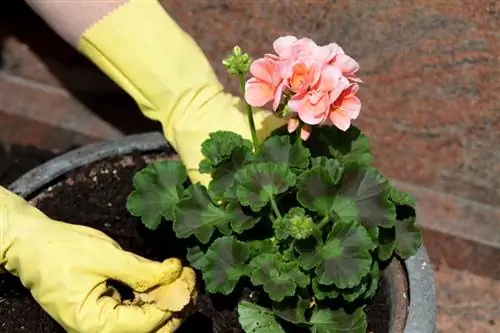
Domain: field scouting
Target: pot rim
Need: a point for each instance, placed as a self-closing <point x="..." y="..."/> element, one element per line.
<point x="422" y="290"/>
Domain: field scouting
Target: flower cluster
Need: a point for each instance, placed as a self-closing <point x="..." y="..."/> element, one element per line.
<point x="318" y="84"/>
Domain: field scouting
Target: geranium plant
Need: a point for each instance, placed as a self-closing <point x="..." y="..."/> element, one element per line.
<point x="302" y="216"/>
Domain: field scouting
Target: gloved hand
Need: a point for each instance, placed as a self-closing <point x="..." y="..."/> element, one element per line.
<point x="146" y="53"/>
<point x="66" y="267"/>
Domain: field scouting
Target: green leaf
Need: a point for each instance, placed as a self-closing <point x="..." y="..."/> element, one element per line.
<point x="364" y="290"/>
<point x="328" y="321"/>
<point x="292" y="310"/>
<point x="386" y="243"/>
<point x="157" y="190"/>
<point x="317" y="190"/>
<point x="295" y="224"/>
<point x="257" y="184"/>
<point x="219" y="147"/>
<point x="368" y="189"/>
<point x="260" y="246"/>
<point x="196" y="257"/>
<point x="257" y="319"/>
<point x="307" y="248"/>
<point x="223" y="174"/>
<point x="278" y="277"/>
<point x="222" y="265"/>
<point x="349" y="147"/>
<point x="408" y="238"/>
<point x="322" y="292"/>
<point x="279" y="150"/>
<point x="334" y="167"/>
<point x="402" y="198"/>
<point x="197" y="215"/>
<point x="374" y="279"/>
<point x="346" y="256"/>
<point x="240" y="222"/>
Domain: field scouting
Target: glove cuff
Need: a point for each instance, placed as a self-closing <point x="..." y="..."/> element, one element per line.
<point x="147" y="54"/>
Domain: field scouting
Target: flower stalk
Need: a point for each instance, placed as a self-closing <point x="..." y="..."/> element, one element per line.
<point x="248" y="108"/>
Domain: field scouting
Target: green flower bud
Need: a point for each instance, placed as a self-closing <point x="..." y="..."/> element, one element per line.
<point x="237" y="63"/>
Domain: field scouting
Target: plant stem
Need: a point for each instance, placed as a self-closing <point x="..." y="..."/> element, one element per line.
<point x="298" y="132"/>
<point x="323" y="222"/>
<point x="275" y="208"/>
<point x="249" y="114"/>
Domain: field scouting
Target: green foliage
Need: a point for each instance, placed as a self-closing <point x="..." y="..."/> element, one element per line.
<point x="157" y="190"/>
<point x="303" y="222"/>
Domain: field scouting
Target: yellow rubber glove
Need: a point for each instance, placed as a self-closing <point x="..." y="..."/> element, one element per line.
<point x="66" y="268"/>
<point x="172" y="82"/>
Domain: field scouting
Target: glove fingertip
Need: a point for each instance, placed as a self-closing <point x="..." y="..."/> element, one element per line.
<point x="171" y="269"/>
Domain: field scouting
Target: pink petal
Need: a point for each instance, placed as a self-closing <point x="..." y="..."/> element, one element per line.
<point x="335" y="48"/>
<point x="262" y="69"/>
<point x="340" y="119"/>
<point x="271" y="56"/>
<point x="277" y="95"/>
<point x="297" y="102"/>
<point x="283" y="45"/>
<point x="312" y="114"/>
<point x="258" y="93"/>
<point x="323" y="54"/>
<point x="351" y="105"/>
<point x="352" y="89"/>
<point x="305" y="132"/>
<point x="330" y="77"/>
<point x="339" y="89"/>
<point x="354" y="78"/>
<point x="346" y="64"/>
<point x="293" y="124"/>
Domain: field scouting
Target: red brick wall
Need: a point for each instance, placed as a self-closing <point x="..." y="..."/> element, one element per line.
<point x="432" y="72"/>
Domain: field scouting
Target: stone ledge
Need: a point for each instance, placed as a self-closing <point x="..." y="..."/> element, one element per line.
<point x="458" y="233"/>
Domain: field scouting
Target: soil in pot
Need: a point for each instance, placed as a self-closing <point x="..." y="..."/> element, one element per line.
<point x="95" y="196"/>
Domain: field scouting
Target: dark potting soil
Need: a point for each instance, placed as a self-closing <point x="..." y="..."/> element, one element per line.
<point x="95" y="196"/>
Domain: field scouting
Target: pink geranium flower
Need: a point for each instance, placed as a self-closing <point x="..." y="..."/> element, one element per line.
<point x="345" y="108"/>
<point x="266" y="84"/>
<point x="291" y="50"/>
<point x="313" y="105"/>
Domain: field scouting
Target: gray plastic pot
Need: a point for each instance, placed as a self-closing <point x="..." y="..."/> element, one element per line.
<point x="422" y="294"/>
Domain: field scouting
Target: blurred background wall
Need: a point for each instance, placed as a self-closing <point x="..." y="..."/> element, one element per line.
<point x="430" y="102"/>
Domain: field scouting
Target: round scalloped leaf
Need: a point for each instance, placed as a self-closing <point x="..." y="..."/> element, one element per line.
<point x="279" y="150"/>
<point x="157" y="190"/>
<point x="257" y="319"/>
<point x="386" y="243"/>
<point x="317" y="191"/>
<point x="278" y="277"/>
<point x="223" y="174"/>
<point x="197" y="215"/>
<point x="293" y="310"/>
<point x="369" y="190"/>
<point x="408" y="238"/>
<point x="322" y="292"/>
<point x="257" y="184"/>
<point x="224" y="263"/>
<point x="329" y="321"/>
<point x="349" y="147"/>
<point x="219" y="147"/>
<point x="346" y="256"/>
